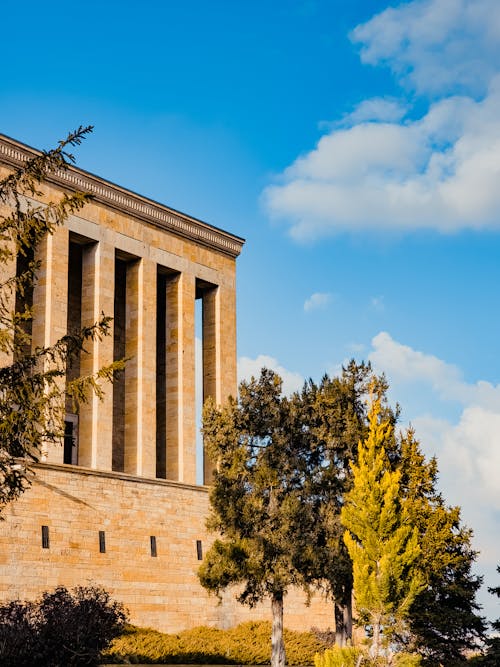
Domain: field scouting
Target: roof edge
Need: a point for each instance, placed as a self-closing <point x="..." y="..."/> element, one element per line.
<point x="13" y="153"/>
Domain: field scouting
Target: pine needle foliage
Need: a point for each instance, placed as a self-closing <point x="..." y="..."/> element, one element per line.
<point x="492" y="656"/>
<point x="32" y="382"/>
<point x="380" y="538"/>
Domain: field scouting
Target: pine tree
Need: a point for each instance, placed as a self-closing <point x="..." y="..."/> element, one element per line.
<point x="335" y="413"/>
<point x="32" y="381"/>
<point x="380" y="538"/>
<point x="260" y="446"/>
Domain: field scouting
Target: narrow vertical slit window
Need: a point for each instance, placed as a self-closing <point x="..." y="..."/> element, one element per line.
<point x="199" y="550"/>
<point x="45" y="537"/>
<point x="102" y="542"/>
<point x="152" y="541"/>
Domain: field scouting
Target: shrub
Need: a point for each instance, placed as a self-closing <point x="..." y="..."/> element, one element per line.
<point x="64" y="628"/>
<point x="246" y="644"/>
<point x="407" y="660"/>
<point x="18" y="642"/>
<point x="327" y="636"/>
<point x="338" y="657"/>
<point x="358" y="657"/>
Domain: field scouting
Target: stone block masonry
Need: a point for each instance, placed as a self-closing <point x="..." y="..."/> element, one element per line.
<point x="161" y="591"/>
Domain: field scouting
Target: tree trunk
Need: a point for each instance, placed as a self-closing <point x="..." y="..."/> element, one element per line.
<point x="278" y="658"/>
<point x="343" y="623"/>
<point x="340" y="630"/>
<point x="375" y="647"/>
<point x="348" y="619"/>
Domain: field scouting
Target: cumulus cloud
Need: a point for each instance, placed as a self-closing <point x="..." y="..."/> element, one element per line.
<point x="435" y="46"/>
<point x="317" y="301"/>
<point x="380" y="169"/>
<point x="248" y="368"/>
<point x="404" y="364"/>
<point x="467" y="446"/>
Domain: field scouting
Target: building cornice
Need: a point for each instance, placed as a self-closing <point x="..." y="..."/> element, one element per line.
<point x="14" y="153"/>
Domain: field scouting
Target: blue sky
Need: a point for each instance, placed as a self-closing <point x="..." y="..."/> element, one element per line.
<point x="353" y="143"/>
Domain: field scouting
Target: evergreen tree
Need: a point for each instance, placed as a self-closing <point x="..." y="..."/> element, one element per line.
<point x="32" y="381"/>
<point x="380" y="538"/>
<point x="444" y="619"/>
<point x="492" y="657"/>
<point x="335" y="413"/>
<point x="261" y="447"/>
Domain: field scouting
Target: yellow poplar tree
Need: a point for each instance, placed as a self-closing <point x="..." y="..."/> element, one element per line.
<point x="380" y="538"/>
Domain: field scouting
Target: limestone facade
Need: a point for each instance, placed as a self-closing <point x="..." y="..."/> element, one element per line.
<point x="118" y="500"/>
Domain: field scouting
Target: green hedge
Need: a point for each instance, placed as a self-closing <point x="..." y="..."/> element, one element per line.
<point x="246" y="644"/>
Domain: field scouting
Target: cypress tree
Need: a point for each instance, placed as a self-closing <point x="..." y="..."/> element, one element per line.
<point x="380" y="538"/>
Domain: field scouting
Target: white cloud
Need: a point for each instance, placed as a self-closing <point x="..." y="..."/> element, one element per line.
<point x="373" y="109"/>
<point x="248" y="368"/>
<point x="467" y="447"/>
<point x="317" y="301"/>
<point x="404" y="364"/>
<point x="374" y="168"/>
<point x="440" y="171"/>
<point x="436" y="47"/>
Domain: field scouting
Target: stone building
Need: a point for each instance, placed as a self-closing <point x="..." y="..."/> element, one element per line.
<point x="118" y="502"/>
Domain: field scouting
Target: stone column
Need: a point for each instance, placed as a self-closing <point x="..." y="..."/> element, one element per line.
<point x="50" y="303"/>
<point x="140" y="370"/>
<point x="96" y="416"/>
<point x="180" y="363"/>
<point x="226" y="364"/>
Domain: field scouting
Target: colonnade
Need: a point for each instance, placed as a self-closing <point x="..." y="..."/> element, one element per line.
<point x="145" y="424"/>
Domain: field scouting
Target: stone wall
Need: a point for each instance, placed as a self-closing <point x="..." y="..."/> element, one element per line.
<point x="161" y="592"/>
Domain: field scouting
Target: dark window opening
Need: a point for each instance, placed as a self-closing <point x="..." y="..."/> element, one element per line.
<point x="45" y="537"/>
<point x="70" y="442"/>
<point x="161" y="376"/>
<point x="102" y="542"/>
<point x="119" y="352"/>
<point x="152" y="541"/>
<point x="199" y="550"/>
<point x="24" y="299"/>
<point x="73" y="326"/>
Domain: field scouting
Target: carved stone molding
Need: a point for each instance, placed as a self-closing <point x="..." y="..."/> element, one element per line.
<point x="13" y="153"/>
